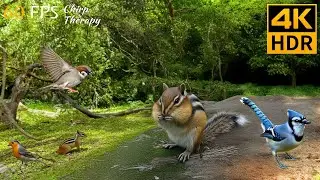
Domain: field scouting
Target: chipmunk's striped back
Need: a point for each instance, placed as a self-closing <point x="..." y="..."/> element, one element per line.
<point x="72" y="140"/>
<point x="195" y="103"/>
<point x="69" y="144"/>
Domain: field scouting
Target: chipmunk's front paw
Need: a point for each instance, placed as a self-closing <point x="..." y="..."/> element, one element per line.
<point x="184" y="156"/>
<point x="164" y="118"/>
<point x="169" y="146"/>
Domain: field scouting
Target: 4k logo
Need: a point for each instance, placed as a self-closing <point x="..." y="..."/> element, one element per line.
<point x="292" y="29"/>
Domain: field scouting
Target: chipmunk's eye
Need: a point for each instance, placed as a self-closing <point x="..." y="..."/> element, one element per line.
<point x="176" y="100"/>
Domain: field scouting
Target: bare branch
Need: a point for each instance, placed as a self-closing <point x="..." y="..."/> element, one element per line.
<point x="95" y="115"/>
<point x="122" y="113"/>
<point x="78" y="107"/>
<point x="32" y="75"/>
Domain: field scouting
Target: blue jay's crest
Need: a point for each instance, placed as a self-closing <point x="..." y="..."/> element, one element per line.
<point x="297" y="117"/>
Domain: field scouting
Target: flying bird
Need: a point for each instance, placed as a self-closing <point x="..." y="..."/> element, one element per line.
<point x="63" y="75"/>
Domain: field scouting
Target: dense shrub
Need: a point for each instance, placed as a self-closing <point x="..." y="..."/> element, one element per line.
<point x="205" y="90"/>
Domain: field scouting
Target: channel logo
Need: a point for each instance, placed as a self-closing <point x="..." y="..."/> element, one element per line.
<point x="14" y="12"/>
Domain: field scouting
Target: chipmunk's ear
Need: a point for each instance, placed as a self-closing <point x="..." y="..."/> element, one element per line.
<point x="165" y="87"/>
<point x="182" y="89"/>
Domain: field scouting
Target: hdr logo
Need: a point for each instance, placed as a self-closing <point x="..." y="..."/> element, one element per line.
<point x="292" y="29"/>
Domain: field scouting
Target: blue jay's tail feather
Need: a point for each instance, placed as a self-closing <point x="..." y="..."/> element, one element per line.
<point x="265" y="121"/>
<point x="220" y="123"/>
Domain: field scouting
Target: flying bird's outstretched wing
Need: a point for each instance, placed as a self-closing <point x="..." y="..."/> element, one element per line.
<point x="54" y="64"/>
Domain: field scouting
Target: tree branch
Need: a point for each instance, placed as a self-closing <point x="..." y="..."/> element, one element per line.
<point x="77" y="106"/>
<point x="32" y="75"/>
<point x="95" y="115"/>
<point x="122" y="113"/>
<point x="4" y="60"/>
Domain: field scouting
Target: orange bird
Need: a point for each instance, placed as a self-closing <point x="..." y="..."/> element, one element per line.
<point x="22" y="154"/>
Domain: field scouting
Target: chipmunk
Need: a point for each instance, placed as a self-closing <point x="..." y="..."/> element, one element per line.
<point x="184" y="119"/>
<point x="71" y="143"/>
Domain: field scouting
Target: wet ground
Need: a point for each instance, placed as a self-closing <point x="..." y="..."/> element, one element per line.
<point x="239" y="154"/>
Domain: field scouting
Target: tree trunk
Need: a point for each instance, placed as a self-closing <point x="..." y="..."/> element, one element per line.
<point x="170" y="9"/>
<point x="220" y="70"/>
<point x="293" y="79"/>
<point x="8" y="108"/>
<point x="4" y="60"/>
<point x="212" y="73"/>
<point x="154" y="78"/>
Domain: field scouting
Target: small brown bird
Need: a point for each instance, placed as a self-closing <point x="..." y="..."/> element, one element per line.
<point x="62" y="74"/>
<point x="71" y="143"/>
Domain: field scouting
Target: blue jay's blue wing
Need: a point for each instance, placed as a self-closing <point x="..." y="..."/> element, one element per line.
<point x="265" y="121"/>
<point x="271" y="133"/>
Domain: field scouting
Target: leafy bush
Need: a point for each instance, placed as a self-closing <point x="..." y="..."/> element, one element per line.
<point x="205" y="90"/>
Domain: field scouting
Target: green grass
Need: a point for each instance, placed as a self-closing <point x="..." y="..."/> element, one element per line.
<point x="102" y="135"/>
<point x="254" y="90"/>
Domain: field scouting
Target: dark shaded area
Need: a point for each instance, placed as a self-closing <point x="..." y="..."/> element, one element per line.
<point x="261" y="76"/>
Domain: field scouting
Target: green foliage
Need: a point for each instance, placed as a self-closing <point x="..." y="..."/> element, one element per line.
<point x="139" y="40"/>
<point x="205" y="90"/>
<point x="254" y="90"/>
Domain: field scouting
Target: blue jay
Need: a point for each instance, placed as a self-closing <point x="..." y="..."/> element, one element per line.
<point x="283" y="137"/>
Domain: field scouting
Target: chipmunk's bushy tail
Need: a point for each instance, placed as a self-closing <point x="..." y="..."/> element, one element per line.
<point x="222" y="122"/>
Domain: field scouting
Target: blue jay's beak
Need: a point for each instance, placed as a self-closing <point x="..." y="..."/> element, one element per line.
<point x="305" y="121"/>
